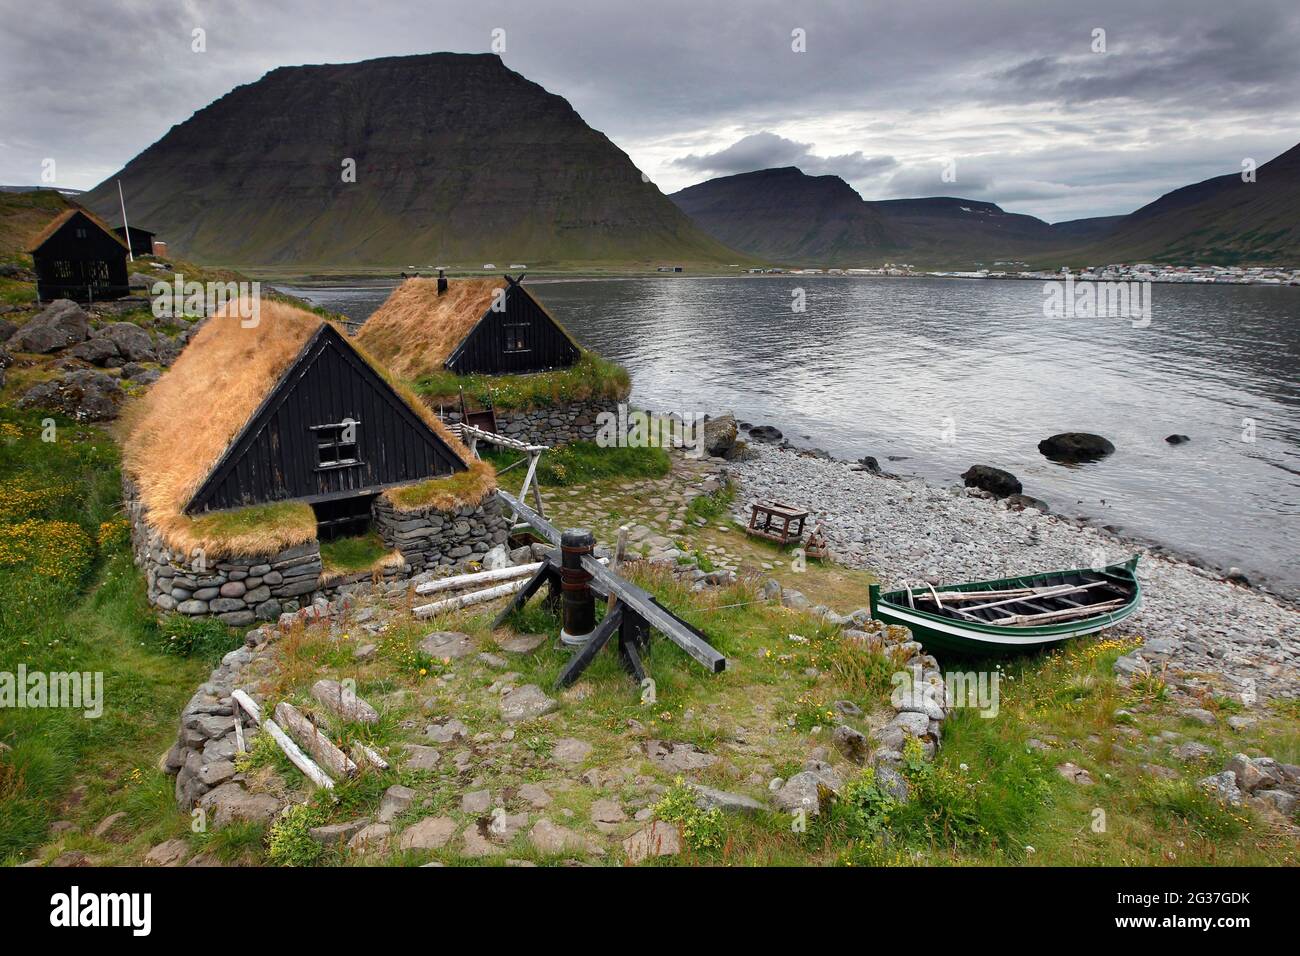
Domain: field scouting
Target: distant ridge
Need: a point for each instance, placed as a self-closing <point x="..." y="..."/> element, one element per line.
<point x="458" y="160"/>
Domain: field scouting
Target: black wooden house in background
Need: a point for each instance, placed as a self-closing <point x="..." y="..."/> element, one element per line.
<point x="78" y="257"/>
<point x="515" y="337"/>
<point x="140" y="240"/>
<point x="331" y="432"/>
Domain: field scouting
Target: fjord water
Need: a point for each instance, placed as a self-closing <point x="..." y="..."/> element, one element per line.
<point x="932" y="376"/>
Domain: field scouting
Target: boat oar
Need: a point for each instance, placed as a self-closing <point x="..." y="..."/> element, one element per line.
<point x="1047" y="617"/>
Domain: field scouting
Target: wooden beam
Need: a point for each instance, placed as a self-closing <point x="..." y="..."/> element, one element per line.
<point x="297" y="757"/>
<point x="545" y="573"/>
<point x="585" y="654"/>
<point x="478" y="577"/>
<point x="468" y="600"/>
<point x="672" y="627"/>
<point x="308" y="735"/>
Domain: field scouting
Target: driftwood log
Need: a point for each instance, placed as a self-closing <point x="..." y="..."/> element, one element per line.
<point x="309" y="736"/>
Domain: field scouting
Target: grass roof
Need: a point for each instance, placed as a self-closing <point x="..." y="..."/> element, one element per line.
<point x="55" y="224"/>
<point x="415" y="330"/>
<point x="174" y="435"/>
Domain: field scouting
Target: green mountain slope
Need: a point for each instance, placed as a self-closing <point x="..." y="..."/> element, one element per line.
<point x="459" y="160"/>
<point x="1221" y="220"/>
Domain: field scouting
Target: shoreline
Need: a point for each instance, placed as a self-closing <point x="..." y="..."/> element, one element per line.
<point x="1259" y="582"/>
<point x="1216" y="635"/>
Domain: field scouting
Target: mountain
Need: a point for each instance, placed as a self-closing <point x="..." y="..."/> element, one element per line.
<point x="1221" y="220"/>
<point x="459" y="161"/>
<point x="24" y="213"/>
<point x="786" y="215"/>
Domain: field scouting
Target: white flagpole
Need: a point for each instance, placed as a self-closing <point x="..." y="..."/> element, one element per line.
<point x="125" y="226"/>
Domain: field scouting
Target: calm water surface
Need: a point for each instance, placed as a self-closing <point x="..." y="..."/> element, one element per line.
<point x="883" y="366"/>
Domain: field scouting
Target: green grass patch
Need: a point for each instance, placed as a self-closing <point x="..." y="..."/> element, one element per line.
<point x="356" y="553"/>
<point x="590" y="377"/>
<point x="585" y="461"/>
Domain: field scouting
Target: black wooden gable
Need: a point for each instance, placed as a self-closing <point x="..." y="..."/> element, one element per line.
<point x="80" y="260"/>
<point x="521" y="337"/>
<point x="298" y="445"/>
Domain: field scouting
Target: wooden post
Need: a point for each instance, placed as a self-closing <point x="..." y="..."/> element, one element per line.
<point x="575" y="584"/>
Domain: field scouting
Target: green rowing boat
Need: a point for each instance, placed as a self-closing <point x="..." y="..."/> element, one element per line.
<point x="991" y="618"/>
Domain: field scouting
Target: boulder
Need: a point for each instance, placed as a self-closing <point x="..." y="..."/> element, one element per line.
<point x="851" y="743"/>
<point x="397" y="800"/>
<point x="447" y="645"/>
<point x="1075" y="447"/>
<point x="546" y="837"/>
<point x="96" y="351"/>
<point x="60" y="324"/>
<point x="1177" y="439"/>
<point x="84" y="394"/>
<point x="495" y="559"/>
<point x="1224" y="786"/>
<point x="231" y="803"/>
<point x="765" y="433"/>
<point x="707" y="798"/>
<point x="1021" y="502"/>
<point x="169" y="853"/>
<point x="678" y="757"/>
<point x="132" y="342"/>
<point x="719" y="435"/>
<point x="993" y="480"/>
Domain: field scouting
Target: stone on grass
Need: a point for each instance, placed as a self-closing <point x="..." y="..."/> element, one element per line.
<point x="534" y="795"/>
<point x="476" y="802"/>
<point x="522" y="643"/>
<point x="1197" y="714"/>
<point x="1192" y="751"/>
<point x="678" y="757"/>
<point x="570" y="751"/>
<point x="658" y="839"/>
<point x="552" y="839"/>
<point x="1075" y="774"/>
<point x="431" y="833"/>
<point x="168" y="853"/>
<point x="707" y="798"/>
<point x="444" y="645"/>
<point x="607" y="814"/>
<point x="475" y="845"/>
<point x="1249" y="777"/>
<point x="372" y="838"/>
<point x="337" y="834"/>
<point x="526" y="703"/>
<point x="1223" y="786"/>
<point x="396" y="801"/>
<point x="447" y="732"/>
<point x="231" y="803"/>
<point x="107" y="824"/>
<point x="420" y="758"/>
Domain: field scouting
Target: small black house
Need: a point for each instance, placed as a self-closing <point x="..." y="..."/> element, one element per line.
<point x="140" y="240"/>
<point x="78" y="257"/>
<point x="467" y="326"/>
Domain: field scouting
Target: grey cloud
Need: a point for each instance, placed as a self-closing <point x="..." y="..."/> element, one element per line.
<point x="765" y="150"/>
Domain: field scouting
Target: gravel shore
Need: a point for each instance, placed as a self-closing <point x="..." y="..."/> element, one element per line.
<point x="1201" y="630"/>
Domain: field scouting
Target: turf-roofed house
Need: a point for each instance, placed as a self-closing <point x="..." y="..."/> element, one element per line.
<point x="494" y="342"/>
<point x="276" y="462"/>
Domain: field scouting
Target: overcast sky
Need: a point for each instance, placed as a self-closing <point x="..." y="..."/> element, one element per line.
<point x="885" y="95"/>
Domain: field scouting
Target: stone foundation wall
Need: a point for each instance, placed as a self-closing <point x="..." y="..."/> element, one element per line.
<point x="431" y="538"/>
<point x="555" y="425"/>
<point x="242" y="590"/>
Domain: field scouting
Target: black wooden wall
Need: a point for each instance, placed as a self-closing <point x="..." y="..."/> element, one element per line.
<point x="79" y="261"/>
<point x="484" y="349"/>
<point x="275" y="457"/>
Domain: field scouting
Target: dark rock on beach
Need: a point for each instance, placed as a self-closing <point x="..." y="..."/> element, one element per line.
<point x="1021" y="502"/>
<point x="1177" y="439"/>
<point x="766" y="433"/>
<point x="993" y="480"/>
<point x="1075" y="447"/>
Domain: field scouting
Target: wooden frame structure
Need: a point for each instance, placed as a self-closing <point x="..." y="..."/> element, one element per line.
<point x="632" y="614"/>
<point x="472" y="435"/>
<point x="764" y="514"/>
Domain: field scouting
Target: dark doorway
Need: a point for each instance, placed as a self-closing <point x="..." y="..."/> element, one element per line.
<point x="342" y="517"/>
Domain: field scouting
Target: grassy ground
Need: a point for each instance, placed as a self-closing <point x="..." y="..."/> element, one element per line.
<point x="354" y="553"/>
<point x="71" y="599"/>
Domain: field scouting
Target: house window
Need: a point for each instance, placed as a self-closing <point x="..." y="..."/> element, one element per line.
<point x="336" y="445"/>
<point x="516" y="336"/>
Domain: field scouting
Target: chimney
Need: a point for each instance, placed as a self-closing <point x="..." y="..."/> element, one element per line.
<point x="442" y="282"/>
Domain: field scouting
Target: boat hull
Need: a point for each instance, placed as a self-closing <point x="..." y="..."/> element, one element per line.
<point x="983" y="639"/>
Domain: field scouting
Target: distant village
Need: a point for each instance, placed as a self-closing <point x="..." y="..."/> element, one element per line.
<point x="1116" y="272"/>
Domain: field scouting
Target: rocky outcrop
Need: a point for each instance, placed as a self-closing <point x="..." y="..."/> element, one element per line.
<point x="1071" y="447"/>
<point x="58" y="325"/>
<point x="83" y="394"/>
